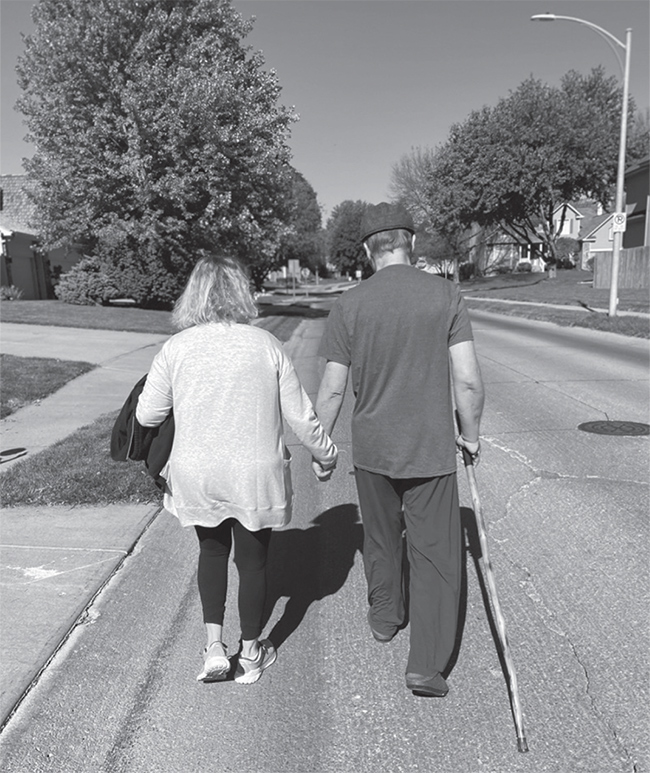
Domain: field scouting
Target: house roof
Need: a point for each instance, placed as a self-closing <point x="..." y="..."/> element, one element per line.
<point x="18" y="212"/>
<point x="593" y="224"/>
<point x="568" y="205"/>
<point x="638" y="166"/>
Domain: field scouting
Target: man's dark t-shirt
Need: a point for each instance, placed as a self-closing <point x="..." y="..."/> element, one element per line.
<point x="394" y="331"/>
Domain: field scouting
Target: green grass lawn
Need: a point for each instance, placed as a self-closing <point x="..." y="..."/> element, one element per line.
<point x="59" y="314"/>
<point x="78" y="471"/>
<point x="27" y="379"/>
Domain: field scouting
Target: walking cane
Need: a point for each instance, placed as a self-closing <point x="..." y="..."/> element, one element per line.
<point x="522" y="745"/>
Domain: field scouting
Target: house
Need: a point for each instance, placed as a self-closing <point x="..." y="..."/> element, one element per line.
<point x="22" y="263"/>
<point x="493" y="250"/>
<point x="596" y="237"/>
<point x="637" y="191"/>
<point x="567" y="221"/>
<point x="441" y="267"/>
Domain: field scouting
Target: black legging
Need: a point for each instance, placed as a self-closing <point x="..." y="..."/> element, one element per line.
<point x="251" y="548"/>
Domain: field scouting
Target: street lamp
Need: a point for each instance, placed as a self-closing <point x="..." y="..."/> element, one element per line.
<point x="619" y="215"/>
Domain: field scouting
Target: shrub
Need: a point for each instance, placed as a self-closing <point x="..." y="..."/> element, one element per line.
<point x="86" y="284"/>
<point x="566" y="250"/>
<point x="10" y="293"/>
<point x="466" y="271"/>
<point x="524" y="266"/>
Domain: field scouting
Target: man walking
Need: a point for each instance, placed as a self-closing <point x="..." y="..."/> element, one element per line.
<point x="404" y="335"/>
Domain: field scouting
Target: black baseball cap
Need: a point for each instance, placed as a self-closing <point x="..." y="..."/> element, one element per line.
<point x="385" y="217"/>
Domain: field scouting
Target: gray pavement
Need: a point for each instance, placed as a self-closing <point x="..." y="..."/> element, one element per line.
<point x="553" y="494"/>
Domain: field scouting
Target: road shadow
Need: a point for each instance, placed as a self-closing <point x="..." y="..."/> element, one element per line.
<point x="292" y="310"/>
<point x="472" y="549"/>
<point x="305" y="565"/>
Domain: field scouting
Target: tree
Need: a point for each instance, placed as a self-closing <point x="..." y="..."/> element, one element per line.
<point x="345" y="247"/>
<point x="410" y="186"/>
<point x="409" y="183"/>
<point x="305" y="242"/>
<point x="157" y="134"/>
<point x="539" y="148"/>
<point x="638" y="145"/>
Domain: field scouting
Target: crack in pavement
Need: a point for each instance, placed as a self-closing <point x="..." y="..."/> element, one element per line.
<point x="551" y="623"/>
<point x="546" y="614"/>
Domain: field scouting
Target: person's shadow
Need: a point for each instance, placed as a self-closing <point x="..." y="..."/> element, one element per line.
<point x="306" y="565"/>
<point x="472" y="549"/>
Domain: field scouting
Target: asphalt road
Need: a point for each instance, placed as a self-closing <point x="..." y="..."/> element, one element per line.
<point x="567" y="513"/>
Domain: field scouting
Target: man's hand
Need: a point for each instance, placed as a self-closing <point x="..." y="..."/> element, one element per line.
<point x="323" y="474"/>
<point x="472" y="447"/>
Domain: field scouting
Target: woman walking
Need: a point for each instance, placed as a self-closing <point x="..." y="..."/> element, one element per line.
<point x="229" y="384"/>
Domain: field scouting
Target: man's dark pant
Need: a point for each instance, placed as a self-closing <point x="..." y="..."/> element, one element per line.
<point x="428" y="508"/>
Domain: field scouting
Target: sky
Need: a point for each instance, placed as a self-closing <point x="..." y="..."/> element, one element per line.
<point x="373" y="79"/>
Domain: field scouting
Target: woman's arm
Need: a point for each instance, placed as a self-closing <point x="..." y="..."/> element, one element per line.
<point x="299" y="412"/>
<point x="155" y="402"/>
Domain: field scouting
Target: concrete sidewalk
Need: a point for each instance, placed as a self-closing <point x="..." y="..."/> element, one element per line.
<point x="563" y="307"/>
<point x="54" y="560"/>
<point x="121" y="359"/>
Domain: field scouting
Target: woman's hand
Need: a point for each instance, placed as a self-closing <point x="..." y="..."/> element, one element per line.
<point x="322" y="473"/>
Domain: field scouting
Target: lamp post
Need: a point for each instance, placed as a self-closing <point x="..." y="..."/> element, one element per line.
<point x="619" y="214"/>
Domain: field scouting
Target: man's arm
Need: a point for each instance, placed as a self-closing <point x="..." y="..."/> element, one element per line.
<point x="331" y="394"/>
<point x="468" y="390"/>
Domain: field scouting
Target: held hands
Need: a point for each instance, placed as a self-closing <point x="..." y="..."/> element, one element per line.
<point x="322" y="473"/>
<point x="473" y="447"/>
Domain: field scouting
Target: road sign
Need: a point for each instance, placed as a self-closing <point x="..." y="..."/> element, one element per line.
<point x="620" y="221"/>
<point x="293" y="267"/>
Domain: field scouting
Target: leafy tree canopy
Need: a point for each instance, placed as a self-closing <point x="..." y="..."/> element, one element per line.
<point x="305" y="242"/>
<point x="515" y="163"/>
<point x="410" y="183"/>
<point x="638" y="144"/>
<point x="345" y="248"/>
<point x="157" y="133"/>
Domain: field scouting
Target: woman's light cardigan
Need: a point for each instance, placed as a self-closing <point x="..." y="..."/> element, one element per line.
<point x="230" y="385"/>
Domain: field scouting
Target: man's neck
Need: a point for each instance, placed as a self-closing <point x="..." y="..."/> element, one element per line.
<point x="394" y="258"/>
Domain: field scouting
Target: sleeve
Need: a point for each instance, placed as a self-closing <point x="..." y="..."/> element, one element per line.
<point x="335" y="343"/>
<point x="299" y="413"/>
<point x="460" y="328"/>
<point x="155" y="401"/>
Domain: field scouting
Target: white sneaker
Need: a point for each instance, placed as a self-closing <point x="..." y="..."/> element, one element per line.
<point x="249" y="671"/>
<point x="215" y="663"/>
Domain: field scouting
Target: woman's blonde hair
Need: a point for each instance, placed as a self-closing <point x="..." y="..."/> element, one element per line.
<point x="218" y="290"/>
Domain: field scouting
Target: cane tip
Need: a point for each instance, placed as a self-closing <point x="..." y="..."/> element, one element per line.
<point x="522" y="745"/>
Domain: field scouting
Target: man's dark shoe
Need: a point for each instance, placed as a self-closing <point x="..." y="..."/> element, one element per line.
<point x="427" y="686"/>
<point x="384" y="638"/>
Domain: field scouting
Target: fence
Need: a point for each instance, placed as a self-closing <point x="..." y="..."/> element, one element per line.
<point x="633" y="272"/>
